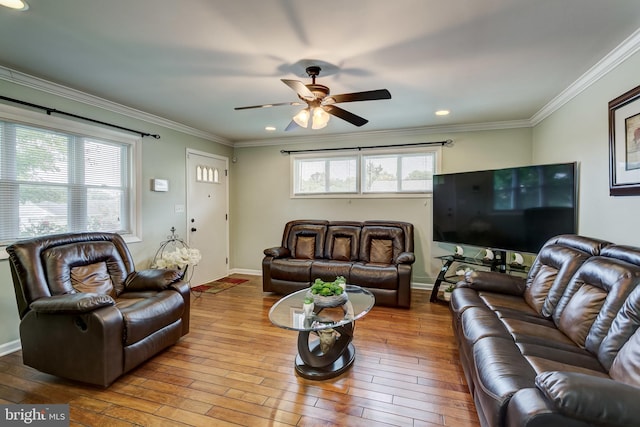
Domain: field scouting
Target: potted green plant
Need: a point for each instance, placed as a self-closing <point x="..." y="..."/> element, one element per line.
<point x="327" y="294"/>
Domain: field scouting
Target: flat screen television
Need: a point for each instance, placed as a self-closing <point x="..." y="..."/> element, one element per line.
<point x="516" y="209"/>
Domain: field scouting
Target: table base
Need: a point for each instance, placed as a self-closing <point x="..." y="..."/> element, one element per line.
<point x="339" y="366"/>
<point x="314" y="364"/>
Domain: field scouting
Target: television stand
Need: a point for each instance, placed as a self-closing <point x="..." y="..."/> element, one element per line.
<point x="498" y="263"/>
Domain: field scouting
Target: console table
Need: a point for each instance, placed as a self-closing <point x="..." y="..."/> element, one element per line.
<point x="496" y="264"/>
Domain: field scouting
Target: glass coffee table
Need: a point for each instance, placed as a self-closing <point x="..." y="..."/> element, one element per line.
<point x="325" y="349"/>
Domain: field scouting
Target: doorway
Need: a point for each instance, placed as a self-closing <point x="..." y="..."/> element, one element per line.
<point x="208" y="214"/>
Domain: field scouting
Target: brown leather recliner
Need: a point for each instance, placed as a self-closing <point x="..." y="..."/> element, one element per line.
<point x="86" y="314"/>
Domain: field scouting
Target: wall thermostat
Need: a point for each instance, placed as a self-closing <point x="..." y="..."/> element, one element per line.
<point x="159" y="185"/>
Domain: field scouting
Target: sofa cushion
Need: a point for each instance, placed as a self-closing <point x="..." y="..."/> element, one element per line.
<point x="59" y="260"/>
<point x="342" y="241"/>
<point x="550" y="274"/>
<point x="92" y="278"/>
<point x="580" y="312"/>
<point x="143" y="315"/>
<point x="328" y="270"/>
<point x="625" y="324"/>
<point x="374" y="275"/>
<point x="381" y="251"/>
<point x="626" y="365"/>
<point x="497" y="301"/>
<point x="293" y="270"/>
<point x="501" y="371"/>
<point x="387" y="240"/>
<point x="341" y="249"/>
<point x="538" y="286"/>
<point x="298" y="229"/>
<point x="305" y="247"/>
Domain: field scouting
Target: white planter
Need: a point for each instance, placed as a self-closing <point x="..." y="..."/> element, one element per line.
<point x="308" y="309"/>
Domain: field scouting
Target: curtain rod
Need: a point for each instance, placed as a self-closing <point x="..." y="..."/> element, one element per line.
<point x="447" y="143"/>
<point x="53" y="110"/>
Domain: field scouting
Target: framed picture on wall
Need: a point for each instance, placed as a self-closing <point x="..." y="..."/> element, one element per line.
<point x="624" y="144"/>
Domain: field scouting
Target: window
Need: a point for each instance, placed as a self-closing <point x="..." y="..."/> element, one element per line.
<point x="368" y="173"/>
<point x="326" y="175"/>
<point x="60" y="176"/>
<point x="398" y="173"/>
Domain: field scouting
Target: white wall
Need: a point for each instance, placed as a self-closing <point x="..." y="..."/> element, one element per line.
<point x="579" y="132"/>
<point x="261" y="204"/>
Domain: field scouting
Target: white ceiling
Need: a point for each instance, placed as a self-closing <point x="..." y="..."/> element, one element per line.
<point x="193" y="61"/>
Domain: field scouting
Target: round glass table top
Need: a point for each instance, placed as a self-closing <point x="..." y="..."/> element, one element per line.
<point x="288" y="312"/>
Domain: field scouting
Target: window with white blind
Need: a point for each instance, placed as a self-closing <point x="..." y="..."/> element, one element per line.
<point x="368" y="173"/>
<point x="59" y="176"/>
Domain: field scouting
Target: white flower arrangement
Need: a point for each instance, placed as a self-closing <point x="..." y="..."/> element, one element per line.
<point x="180" y="258"/>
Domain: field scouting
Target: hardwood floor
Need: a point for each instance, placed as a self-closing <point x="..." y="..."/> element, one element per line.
<point x="236" y="368"/>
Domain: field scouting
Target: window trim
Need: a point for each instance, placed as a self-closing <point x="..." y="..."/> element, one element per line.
<point x="32" y="118"/>
<point x="359" y="155"/>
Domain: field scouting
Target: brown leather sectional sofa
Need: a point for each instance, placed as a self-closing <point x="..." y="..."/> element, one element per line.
<point x="376" y="255"/>
<point x="560" y="347"/>
<point x="86" y="314"/>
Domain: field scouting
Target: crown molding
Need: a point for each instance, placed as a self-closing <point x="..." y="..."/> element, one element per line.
<point x="621" y="53"/>
<point x="390" y="133"/>
<point x="37" y="83"/>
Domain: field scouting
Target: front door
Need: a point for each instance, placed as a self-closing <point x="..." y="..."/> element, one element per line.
<point x="207" y="214"/>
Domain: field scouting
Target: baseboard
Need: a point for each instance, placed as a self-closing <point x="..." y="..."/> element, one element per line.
<point x="10" y="347"/>
<point x="424" y="286"/>
<point x="245" y="271"/>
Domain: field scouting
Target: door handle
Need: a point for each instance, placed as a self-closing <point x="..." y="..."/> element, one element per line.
<point x="193" y="229"/>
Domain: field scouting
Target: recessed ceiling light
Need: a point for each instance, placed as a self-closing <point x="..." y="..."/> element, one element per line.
<point x="270" y="128"/>
<point x="442" y="113"/>
<point x="15" y="4"/>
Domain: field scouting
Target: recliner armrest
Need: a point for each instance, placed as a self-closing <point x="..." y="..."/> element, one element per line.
<point x="406" y="258"/>
<point x="278" y="252"/>
<point x="152" y="279"/>
<point x="596" y="400"/>
<point x="491" y="281"/>
<point x="71" y="303"/>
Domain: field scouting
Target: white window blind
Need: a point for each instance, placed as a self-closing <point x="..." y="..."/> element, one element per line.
<point x="55" y="181"/>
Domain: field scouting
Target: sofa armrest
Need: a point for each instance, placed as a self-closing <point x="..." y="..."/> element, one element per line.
<point x="596" y="400"/>
<point x="491" y="281"/>
<point x="71" y="303"/>
<point x="406" y="258"/>
<point x="152" y="279"/>
<point x="278" y="252"/>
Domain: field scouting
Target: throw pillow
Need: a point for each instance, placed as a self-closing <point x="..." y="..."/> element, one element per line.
<point x="92" y="278"/>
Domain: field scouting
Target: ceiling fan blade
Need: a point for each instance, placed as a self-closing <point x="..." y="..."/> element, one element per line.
<point x="268" y="105"/>
<point x="300" y="89"/>
<point x="345" y="115"/>
<point x="291" y="126"/>
<point x="370" y="95"/>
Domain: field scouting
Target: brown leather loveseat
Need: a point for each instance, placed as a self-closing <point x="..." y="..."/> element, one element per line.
<point x="560" y="347"/>
<point x="86" y="314"/>
<point x="376" y="255"/>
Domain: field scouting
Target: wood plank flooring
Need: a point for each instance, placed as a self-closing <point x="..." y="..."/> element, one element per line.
<point x="236" y="368"/>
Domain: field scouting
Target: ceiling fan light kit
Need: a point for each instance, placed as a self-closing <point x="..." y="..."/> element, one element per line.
<point x="320" y="106"/>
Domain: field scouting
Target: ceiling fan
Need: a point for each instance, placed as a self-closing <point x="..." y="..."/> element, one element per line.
<point x="320" y="104"/>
